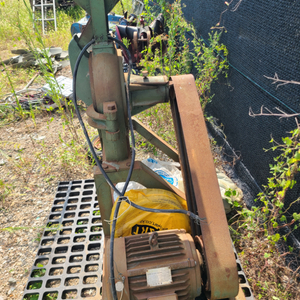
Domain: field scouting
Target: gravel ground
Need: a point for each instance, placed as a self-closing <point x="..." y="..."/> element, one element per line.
<point x="32" y="188"/>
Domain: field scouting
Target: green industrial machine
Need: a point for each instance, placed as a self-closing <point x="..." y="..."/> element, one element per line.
<point x="169" y="264"/>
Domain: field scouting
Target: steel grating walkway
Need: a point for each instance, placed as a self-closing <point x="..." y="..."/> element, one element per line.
<point x="68" y="264"/>
<point x="69" y="259"/>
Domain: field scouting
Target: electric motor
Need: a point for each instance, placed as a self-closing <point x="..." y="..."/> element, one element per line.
<point x="158" y="265"/>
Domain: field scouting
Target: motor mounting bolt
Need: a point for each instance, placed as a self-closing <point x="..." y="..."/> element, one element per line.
<point x="111" y="107"/>
<point x="153" y="240"/>
<point x="145" y="74"/>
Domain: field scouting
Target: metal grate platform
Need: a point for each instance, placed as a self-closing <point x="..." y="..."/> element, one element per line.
<point x="69" y="259"/>
<point x="68" y="264"/>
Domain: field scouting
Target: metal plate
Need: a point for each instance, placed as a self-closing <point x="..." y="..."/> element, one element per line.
<point x="69" y="258"/>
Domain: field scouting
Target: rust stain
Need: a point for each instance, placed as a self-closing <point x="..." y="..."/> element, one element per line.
<point x="227" y="270"/>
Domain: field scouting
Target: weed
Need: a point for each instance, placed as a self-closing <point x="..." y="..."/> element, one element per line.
<point x="209" y="64"/>
<point x="96" y="238"/>
<point x="126" y="42"/>
<point x="5" y="190"/>
<point x="31" y="297"/>
<point x="176" y="59"/>
<point x="123" y="6"/>
<point x="95" y="228"/>
<point x="38" y="272"/>
<point x="51" y="296"/>
<point x="36" y="285"/>
<point x="38" y="238"/>
<point x="256" y="232"/>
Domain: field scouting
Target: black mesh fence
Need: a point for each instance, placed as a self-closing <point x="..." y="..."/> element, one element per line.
<point x="263" y="38"/>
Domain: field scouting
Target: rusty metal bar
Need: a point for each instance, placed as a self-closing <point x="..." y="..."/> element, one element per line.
<point x="219" y="256"/>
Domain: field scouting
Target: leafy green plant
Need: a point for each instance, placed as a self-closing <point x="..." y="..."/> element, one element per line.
<point x="123" y="6"/>
<point x="256" y="232"/>
<point x="51" y="296"/>
<point x="95" y="228"/>
<point x="230" y="197"/>
<point x="31" y="297"/>
<point x="35" y="285"/>
<point x="171" y="56"/>
<point x="126" y="42"/>
<point x="38" y="272"/>
<point x="208" y="63"/>
<point x="282" y="179"/>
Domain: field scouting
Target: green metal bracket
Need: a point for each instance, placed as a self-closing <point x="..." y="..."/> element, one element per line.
<point x="154" y="139"/>
<point x="99" y="17"/>
<point x="85" y="4"/>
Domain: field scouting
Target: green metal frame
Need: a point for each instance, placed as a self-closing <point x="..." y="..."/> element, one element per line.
<point x="113" y="130"/>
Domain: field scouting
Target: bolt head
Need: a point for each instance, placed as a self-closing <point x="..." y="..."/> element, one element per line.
<point x="111" y="107"/>
<point x="145" y="74"/>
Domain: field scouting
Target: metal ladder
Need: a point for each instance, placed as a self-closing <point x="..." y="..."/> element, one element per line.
<point x="44" y="6"/>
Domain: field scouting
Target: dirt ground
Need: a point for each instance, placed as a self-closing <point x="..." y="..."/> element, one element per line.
<point x="32" y="181"/>
<point x="29" y="204"/>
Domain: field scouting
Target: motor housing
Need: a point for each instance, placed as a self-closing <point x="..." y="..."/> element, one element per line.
<point x="157" y="265"/>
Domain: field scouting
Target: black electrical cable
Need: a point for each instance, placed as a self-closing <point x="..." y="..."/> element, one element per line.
<point x="167" y="211"/>
<point x="121" y="198"/>
<point x="113" y="227"/>
<point x="113" y="288"/>
<point x="80" y="118"/>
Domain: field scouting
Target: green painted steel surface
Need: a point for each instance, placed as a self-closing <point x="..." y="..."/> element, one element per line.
<point x="83" y="89"/>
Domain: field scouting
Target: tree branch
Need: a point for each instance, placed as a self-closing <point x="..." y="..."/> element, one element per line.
<point x="264" y="111"/>
<point x="281" y="82"/>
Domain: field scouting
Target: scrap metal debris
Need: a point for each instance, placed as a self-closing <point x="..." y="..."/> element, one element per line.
<point x="27" y="58"/>
<point x="63" y="84"/>
<point x="28" y="98"/>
